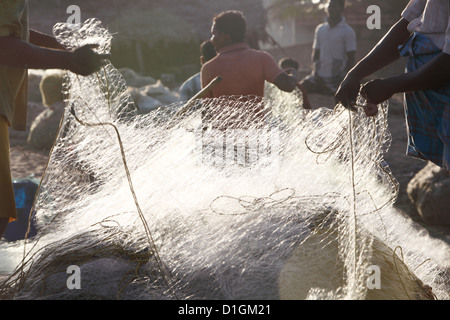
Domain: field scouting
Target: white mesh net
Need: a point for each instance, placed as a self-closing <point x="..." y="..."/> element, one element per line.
<point x="239" y="198"/>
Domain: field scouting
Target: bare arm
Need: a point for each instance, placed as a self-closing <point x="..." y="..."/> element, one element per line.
<point x="44" y="40"/>
<point x="285" y="82"/>
<point x="434" y="74"/>
<point x="315" y="56"/>
<point x="383" y="54"/>
<point x="18" y="53"/>
<point x="350" y="60"/>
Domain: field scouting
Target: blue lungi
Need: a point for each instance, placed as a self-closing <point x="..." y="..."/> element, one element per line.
<point x="427" y="112"/>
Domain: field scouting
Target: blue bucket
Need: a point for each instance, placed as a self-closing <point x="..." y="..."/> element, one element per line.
<point x="24" y="192"/>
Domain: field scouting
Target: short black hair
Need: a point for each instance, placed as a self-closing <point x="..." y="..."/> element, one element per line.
<point x="288" y="62"/>
<point x="341" y="3"/>
<point x="207" y="50"/>
<point x="233" y="23"/>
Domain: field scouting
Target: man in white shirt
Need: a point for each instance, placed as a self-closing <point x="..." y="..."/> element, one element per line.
<point x="334" y="50"/>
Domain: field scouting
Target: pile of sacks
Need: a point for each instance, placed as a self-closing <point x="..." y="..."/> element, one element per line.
<point x="147" y="93"/>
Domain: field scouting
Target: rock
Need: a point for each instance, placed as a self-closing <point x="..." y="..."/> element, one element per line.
<point x="145" y="103"/>
<point x="149" y="96"/>
<point x="168" y="79"/>
<point x="133" y="79"/>
<point x="98" y="279"/>
<point x="34" y="79"/>
<point x="95" y="280"/>
<point x="161" y="92"/>
<point x="93" y="265"/>
<point x="429" y="191"/>
<point x="51" y="87"/>
<point x="45" y="127"/>
<point x="302" y="272"/>
<point x="34" y="110"/>
<point x="155" y="89"/>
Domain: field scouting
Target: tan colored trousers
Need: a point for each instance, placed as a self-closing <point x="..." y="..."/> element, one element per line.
<point x="7" y="201"/>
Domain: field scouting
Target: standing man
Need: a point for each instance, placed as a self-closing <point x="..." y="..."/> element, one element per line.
<point x="333" y="53"/>
<point x="22" y="49"/>
<point x="423" y="36"/>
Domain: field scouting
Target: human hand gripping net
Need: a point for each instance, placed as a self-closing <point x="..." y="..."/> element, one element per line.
<point x="239" y="198"/>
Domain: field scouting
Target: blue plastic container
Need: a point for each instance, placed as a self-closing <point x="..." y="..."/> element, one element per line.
<point x="24" y="192"/>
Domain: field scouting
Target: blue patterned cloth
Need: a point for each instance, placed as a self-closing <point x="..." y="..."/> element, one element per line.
<point x="427" y="112"/>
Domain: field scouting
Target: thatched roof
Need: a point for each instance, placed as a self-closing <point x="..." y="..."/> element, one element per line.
<point x="151" y="20"/>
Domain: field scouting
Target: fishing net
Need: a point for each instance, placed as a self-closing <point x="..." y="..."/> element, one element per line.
<point x="236" y="198"/>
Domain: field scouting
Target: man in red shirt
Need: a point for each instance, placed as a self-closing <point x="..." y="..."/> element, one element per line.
<point x="243" y="71"/>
